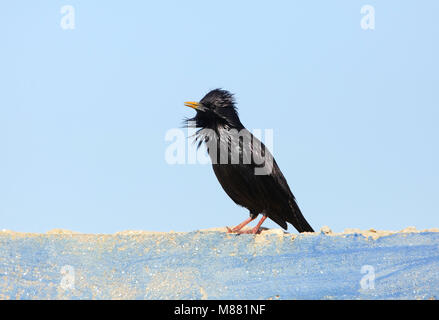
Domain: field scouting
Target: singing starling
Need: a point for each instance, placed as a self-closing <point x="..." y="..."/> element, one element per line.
<point x="243" y="166"/>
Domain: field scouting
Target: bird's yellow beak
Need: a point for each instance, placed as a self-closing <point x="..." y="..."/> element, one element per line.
<point x="192" y="104"/>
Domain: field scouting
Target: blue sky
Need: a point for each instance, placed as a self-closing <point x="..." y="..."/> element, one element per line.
<point x="84" y="112"/>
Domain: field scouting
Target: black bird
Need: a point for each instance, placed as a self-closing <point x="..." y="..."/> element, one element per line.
<point x="245" y="169"/>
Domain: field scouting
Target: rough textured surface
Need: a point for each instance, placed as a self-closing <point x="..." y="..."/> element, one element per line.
<point x="217" y="265"/>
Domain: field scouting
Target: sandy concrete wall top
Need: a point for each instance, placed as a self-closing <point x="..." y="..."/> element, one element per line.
<point x="217" y="265"/>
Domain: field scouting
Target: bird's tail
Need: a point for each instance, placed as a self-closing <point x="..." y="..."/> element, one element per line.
<point x="297" y="219"/>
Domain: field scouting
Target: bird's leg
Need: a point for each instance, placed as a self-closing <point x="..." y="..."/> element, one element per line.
<point x="255" y="230"/>
<point x="241" y="225"/>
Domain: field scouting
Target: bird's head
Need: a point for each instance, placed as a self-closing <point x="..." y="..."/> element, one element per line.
<point x="217" y="108"/>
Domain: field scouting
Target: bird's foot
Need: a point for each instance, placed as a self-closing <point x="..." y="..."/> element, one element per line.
<point x="248" y="231"/>
<point x="255" y="230"/>
<point x="235" y="230"/>
<point x="232" y="230"/>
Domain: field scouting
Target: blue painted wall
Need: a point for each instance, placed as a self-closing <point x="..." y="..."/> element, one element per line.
<point x="216" y="265"/>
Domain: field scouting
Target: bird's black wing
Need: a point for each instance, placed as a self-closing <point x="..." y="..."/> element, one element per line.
<point x="279" y="197"/>
<point x="255" y="181"/>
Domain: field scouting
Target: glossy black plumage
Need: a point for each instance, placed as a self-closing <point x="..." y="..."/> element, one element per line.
<point x="239" y="158"/>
